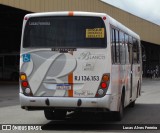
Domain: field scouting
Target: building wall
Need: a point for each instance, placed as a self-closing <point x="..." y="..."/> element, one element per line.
<point x="148" y="31"/>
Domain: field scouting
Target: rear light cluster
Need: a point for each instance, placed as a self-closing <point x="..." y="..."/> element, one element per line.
<point x="103" y="87"/>
<point x="25" y="85"/>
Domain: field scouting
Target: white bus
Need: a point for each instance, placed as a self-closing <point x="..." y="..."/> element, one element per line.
<point x="78" y="61"/>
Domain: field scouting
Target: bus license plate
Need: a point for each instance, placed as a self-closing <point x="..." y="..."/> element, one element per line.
<point x="63" y="87"/>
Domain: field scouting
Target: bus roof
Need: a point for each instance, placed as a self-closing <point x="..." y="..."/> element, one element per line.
<point x="120" y="26"/>
<point x="65" y="13"/>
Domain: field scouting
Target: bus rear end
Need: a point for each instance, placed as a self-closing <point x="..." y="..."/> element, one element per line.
<point x="64" y="62"/>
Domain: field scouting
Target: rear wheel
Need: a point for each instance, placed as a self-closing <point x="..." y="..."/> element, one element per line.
<point x="132" y="104"/>
<point x="55" y="114"/>
<point x="138" y="90"/>
<point x="119" y="114"/>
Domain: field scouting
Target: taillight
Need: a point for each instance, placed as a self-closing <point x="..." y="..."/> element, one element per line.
<point x="105" y="78"/>
<point x="103" y="87"/>
<point x="23" y="77"/>
<point x="25" y="85"/>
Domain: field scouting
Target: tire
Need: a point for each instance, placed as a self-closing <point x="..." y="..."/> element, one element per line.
<point x="55" y="115"/>
<point x="49" y="114"/>
<point x="118" y="116"/>
<point x="138" y="90"/>
<point x="132" y="104"/>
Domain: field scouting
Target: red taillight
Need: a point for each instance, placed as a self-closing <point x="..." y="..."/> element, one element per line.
<point x="25" y="84"/>
<point x="103" y="85"/>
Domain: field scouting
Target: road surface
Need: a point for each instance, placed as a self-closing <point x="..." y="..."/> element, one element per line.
<point x="146" y="111"/>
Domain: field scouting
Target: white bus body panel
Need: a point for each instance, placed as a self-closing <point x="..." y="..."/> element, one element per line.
<point x="47" y="68"/>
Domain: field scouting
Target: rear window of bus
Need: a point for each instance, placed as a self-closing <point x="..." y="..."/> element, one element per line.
<point x="65" y="31"/>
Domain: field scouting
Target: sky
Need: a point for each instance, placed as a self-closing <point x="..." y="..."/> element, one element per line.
<point x="146" y="9"/>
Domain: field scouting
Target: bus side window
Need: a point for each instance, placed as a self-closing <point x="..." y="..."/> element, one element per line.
<point x="113" y="48"/>
<point x="138" y="51"/>
<point x="130" y="49"/>
<point x="117" y="46"/>
<point x="122" y="48"/>
<point x="126" y="48"/>
<point x="135" y="51"/>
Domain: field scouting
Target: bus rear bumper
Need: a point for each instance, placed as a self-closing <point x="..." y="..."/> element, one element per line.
<point x="35" y="103"/>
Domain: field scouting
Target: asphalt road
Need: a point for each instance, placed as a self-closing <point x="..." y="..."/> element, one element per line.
<point x="146" y="111"/>
<point x="9" y="94"/>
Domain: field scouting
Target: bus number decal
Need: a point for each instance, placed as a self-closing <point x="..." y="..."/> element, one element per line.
<point x="95" y="33"/>
<point x="86" y="78"/>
